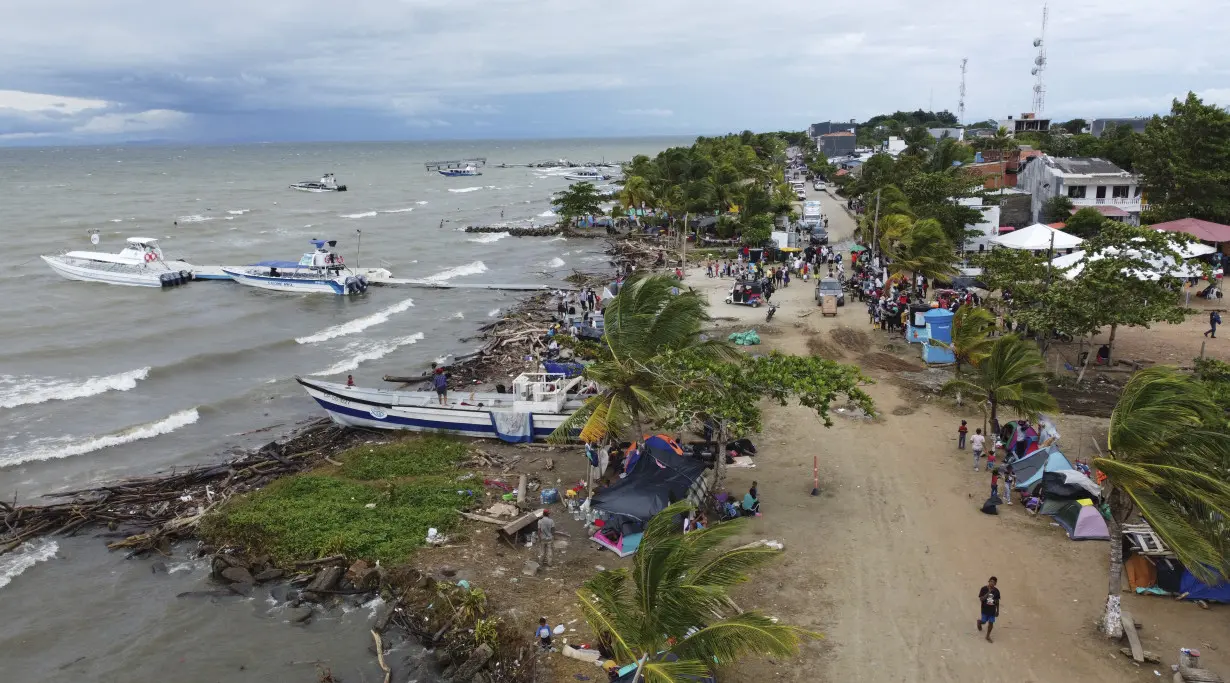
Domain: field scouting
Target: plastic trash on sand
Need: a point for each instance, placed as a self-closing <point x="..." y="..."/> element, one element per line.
<point x="748" y="338"/>
<point x="434" y="537"/>
<point x="558" y="630"/>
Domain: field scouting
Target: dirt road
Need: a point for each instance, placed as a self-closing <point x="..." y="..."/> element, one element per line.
<point x="887" y="561"/>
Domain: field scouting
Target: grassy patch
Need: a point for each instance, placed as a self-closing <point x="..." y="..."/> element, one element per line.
<point x="406" y="458"/>
<point x="410" y="485"/>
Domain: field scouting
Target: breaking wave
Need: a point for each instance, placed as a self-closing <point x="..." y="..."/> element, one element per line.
<point x="28" y="555"/>
<point x="489" y="237"/>
<point x="68" y="447"/>
<point x="556" y="262"/>
<point x="356" y="325"/>
<point x="473" y="268"/>
<point x="548" y="214"/>
<point x="363" y="350"/>
<point x="421" y="203"/>
<point x="195" y="218"/>
<point x="365" y="214"/>
<point x="464" y="189"/>
<point x="405" y="210"/>
<point x="493" y="312"/>
<point x="238" y="212"/>
<point x="20" y="391"/>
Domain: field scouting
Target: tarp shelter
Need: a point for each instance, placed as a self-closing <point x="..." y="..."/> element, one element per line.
<point x="1029" y="469"/>
<point x="1198" y="590"/>
<point x="1206" y="231"/>
<point x="1037" y="237"/>
<point x="1014" y="433"/>
<point x="660" y="477"/>
<point x="1082" y="522"/>
<point x="1068" y="485"/>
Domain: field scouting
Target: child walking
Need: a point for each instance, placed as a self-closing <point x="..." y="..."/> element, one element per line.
<point x="976" y="442"/>
<point x="961" y="432"/>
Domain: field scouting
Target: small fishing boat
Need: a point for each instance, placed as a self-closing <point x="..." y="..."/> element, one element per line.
<point x="327" y="183"/>
<point x="139" y="264"/>
<point x="588" y="174"/>
<point x="318" y="272"/>
<point x="538" y="403"/>
<point x="457" y="172"/>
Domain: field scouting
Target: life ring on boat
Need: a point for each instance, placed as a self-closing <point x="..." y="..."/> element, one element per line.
<point x="150" y="256"/>
<point x="340" y="259"/>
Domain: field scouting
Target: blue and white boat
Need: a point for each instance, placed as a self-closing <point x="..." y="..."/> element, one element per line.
<point x="318" y="272"/>
<point x="538" y="403"/>
<point x="455" y="172"/>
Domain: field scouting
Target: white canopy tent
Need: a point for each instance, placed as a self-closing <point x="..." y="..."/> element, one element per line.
<point x="1037" y="237"/>
<point x="1160" y="264"/>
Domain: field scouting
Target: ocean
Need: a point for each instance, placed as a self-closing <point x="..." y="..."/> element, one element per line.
<point x="101" y="381"/>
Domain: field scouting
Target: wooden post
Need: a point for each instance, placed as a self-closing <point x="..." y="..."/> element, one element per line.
<point x="521" y="485"/>
<point x="815" y="473"/>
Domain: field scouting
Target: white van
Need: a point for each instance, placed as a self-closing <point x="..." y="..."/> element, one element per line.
<point x="819" y="185"/>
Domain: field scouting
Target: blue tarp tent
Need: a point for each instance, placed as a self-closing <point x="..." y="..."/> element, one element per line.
<point x="1030" y="468"/>
<point x="1195" y="590"/>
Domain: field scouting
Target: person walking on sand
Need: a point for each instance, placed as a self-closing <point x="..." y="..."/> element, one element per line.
<point x="988" y="601"/>
<point x="546" y="538"/>
<point x="977" y="442"/>
<point x="1214" y="321"/>
<point x="961" y="432"/>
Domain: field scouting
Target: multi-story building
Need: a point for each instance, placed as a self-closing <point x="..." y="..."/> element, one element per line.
<point x="1027" y="123"/>
<point x="1087" y="181"/>
<point x="815" y="130"/>
<point x="837" y="144"/>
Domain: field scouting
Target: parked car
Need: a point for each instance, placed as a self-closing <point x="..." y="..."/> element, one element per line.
<point x="830" y="286"/>
<point x="819" y="185"/>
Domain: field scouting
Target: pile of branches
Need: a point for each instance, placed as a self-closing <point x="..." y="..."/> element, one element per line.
<point x="148" y="513"/>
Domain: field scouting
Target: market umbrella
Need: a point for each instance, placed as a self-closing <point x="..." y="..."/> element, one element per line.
<point x="857" y="248"/>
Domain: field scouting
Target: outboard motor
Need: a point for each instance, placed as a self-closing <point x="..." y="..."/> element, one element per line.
<point x="187" y="276"/>
<point x="167" y="280"/>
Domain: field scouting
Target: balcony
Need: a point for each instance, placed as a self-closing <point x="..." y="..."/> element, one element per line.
<point x="1129" y="204"/>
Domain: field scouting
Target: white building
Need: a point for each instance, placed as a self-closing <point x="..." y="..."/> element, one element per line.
<point x="894" y="146"/>
<point x="957" y="134"/>
<point x="1026" y="123"/>
<point x="1087" y="181"/>
<point x="987" y="228"/>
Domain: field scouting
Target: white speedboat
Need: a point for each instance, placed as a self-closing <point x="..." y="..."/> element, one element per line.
<point x="140" y="264"/>
<point x="588" y="175"/>
<point x="457" y="172"/>
<point x="327" y="183"/>
<point x="538" y="403"/>
<point x="318" y="272"/>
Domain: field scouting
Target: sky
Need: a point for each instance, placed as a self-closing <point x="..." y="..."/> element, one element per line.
<point x="91" y="72"/>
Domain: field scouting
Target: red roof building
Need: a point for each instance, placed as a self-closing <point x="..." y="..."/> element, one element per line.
<point x="1206" y="231"/>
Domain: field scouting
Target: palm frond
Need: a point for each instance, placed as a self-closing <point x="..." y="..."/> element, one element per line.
<point x="678" y="671"/>
<point x="748" y="633"/>
<point x="732" y="567"/>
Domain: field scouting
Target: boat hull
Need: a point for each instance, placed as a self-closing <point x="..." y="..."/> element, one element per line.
<point x="132" y="276"/>
<point x="279" y="284"/>
<point x="358" y="409"/>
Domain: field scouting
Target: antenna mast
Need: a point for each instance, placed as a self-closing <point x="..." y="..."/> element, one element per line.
<point x="1040" y="66"/>
<point x="961" y="99"/>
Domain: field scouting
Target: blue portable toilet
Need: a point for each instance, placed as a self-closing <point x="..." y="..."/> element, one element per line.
<point x="939" y="328"/>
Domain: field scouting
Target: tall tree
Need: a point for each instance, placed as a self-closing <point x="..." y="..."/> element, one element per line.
<point x="1056" y="209"/>
<point x="1166" y="459"/>
<point x="1184" y="162"/>
<point x="923" y="250"/>
<point x="1075" y="126"/>
<point x="579" y="200"/>
<point x="636" y="195"/>
<point x="971" y="336"/>
<point x="1010" y="376"/>
<point x="666" y="602"/>
<point x="1085" y="223"/>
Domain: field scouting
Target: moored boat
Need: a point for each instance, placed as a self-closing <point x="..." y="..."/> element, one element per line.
<point x="457" y="172"/>
<point x="139" y="264"/>
<point x="536" y="406"/>
<point x="327" y="183"/>
<point x="589" y="175"/>
<point x="320" y="272"/>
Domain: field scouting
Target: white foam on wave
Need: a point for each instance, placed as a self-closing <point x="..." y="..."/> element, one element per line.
<point x="363" y="350"/>
<point x="238" y="212"/>
<point x="20" y="391"/>
<point x="405" y="210"/>
<point x="489" y="237"/>
<point x="421" y="203"/>
<point x="493" y="312"/>
<point x="365" y="214"/>
<point x="117" y="220"/>
<point x="68" y="447"/>
<point x="472" y="268"/>
<point x="26" y="556"/>
<point x="556" y="262"/>
<point x="548" y="214"/>
<point x="358" y="324"/>
<point x="464" y="189"/>
<point x="558" y="238"/>
<point x="195" y="218"/>
<point x="458" y="316"/>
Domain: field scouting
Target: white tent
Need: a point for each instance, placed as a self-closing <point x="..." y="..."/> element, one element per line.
<point x="1159" y="263"/>
<point x="1037" y="237"/>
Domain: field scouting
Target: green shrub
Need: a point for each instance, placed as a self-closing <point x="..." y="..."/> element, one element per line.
<point x="412" y="457"/>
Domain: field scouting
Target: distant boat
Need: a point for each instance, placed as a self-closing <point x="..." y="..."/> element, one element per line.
<point x="327" y="183"/>
<point x="319" y="272"/>
<point x="140" y="264"/>
<point x="456" y="172"/>
<point x="538" y="403"/>
<point x="587" y="175"/>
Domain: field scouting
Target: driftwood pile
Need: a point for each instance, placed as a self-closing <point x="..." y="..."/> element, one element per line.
<point x="148" y="513"/>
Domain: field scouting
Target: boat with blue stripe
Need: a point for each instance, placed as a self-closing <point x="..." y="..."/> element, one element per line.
<point x="321" y="271"/>
<point x="538" y="403"/>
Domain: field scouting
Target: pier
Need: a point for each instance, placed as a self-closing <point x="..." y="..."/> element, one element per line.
<point x="456" y="163"/>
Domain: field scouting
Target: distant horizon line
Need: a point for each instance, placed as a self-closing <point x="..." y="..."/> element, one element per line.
<point x="32" y="144"/>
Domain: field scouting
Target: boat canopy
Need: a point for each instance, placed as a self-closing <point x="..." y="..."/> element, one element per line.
<point x="142" y="240"/>
<point x="320" y="244"/>
<point x="276" y="264"/>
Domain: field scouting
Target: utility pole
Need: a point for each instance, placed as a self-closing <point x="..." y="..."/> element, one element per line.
<point x="961" y="99"/>
<point x="875" y="229"/>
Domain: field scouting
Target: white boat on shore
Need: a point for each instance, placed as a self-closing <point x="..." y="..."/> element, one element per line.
<point x="459" y="172"/>
<point x="318" y="272"/>
<point x="587" y="175"/>
<point x="538" y="403"/>
<point x="327" y="183"/>
<point x="139" y="264"/>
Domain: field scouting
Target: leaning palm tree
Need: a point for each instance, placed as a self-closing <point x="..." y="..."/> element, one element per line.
<point x="1166" y="459"/>
<point x="668" y="612"/>
<point x="636" y="195"/>
<point x="971" y="336"/>
<point x="924" y="250"/>
<point x="650" y="316"/>
<point x="1011" y="375"/>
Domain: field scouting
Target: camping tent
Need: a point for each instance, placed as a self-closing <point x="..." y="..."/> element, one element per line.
<point x="660" y="476"/>
<point x="1012" y="433"/>
<point x="1082" y="522"/>
<point x="1030" y="468"/>
<point x="1068" y="485"/>
<point x="1037" y="237"/>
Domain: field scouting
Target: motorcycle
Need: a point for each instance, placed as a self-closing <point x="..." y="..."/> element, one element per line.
<point x="772" y="309"/>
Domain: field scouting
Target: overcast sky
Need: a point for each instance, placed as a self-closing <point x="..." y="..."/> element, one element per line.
<point x="96" y="71"/>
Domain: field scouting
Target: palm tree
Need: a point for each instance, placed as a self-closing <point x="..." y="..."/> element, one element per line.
<point x="971" y="336"/>
<point x="649" y="316"/>
<point x="1166" y="460"/>
<point x="1012" y="376"/>
<point x="636" y="195"/>
<point x="923" y="250"/>
<point x="673" y="599"/>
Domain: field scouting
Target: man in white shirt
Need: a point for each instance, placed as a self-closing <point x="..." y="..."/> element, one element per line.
<point x="977" y="442"/>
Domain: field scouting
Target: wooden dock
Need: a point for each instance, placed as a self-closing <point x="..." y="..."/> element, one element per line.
<point x="456" y="163"/>
<point x="426" y="284"/>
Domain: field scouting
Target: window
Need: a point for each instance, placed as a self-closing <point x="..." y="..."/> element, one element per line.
<point x="1137" y="192"/>
<point x="1119" y="192"/>
<point x="1101" y="192"/>
<point x="1076" y="191"/>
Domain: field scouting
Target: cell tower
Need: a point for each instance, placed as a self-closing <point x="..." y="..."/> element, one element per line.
<point x="1039" y="67"/>
<point x="961" y="100"/>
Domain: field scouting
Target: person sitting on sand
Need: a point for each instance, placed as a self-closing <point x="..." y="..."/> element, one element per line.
<point x="751" y="501"/>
